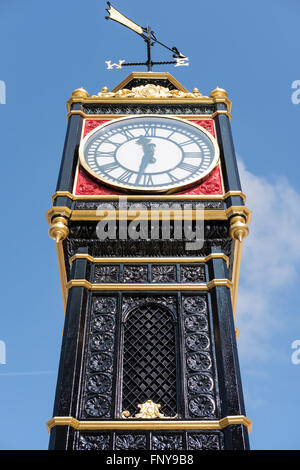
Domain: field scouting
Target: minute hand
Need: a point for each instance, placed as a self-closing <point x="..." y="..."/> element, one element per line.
<point x="147" y="158"/>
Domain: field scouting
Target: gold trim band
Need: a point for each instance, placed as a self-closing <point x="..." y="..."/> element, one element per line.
<point x="149" y="287"/>
<point x="151" y="260"/>
<point x="139" y="197"/>
<point x="164" y="214"/>
<point x="149" y="424"/>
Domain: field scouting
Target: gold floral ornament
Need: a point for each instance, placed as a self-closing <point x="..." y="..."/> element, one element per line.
<point x="148" y="410"/>
<point x="148" y="91"/>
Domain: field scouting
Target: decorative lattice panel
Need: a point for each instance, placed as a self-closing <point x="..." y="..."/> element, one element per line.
<point x="149" y="367"/>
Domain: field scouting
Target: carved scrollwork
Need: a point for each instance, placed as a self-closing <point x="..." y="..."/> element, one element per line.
<point x="148" y="91"/>
<point x="130" y="302"/>
<point x="148" y="410"/>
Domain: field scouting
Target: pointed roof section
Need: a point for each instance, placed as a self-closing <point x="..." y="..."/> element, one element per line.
<point x="149" y="87"/>
<point x="163" y="79"/>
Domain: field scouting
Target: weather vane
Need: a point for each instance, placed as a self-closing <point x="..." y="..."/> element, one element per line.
<point x="149" y="38"/>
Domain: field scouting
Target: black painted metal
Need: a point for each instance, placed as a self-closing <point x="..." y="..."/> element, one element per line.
<point x="227" y="153"/>
<point x="226" y="348"/>
<point x="68" y="381"/>
<point x="70" y="154"/>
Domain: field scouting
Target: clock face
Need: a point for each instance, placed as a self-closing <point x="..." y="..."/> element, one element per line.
<point x="149" y="153"/>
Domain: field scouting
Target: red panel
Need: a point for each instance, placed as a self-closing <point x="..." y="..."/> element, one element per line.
<point x="212" y="185"/>
<point x="87" y="185"/>
<point x="91" y="124"/>
<point x="208" y="125"/>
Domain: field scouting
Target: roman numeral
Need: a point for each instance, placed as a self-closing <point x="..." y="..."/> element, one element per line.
<point x="125" y="177"/>
<point x="127" y="133"/>
<point x="192" y="154"/>
<point x="150" y="131"/>
<point x="108" y="167"/>
<point x="188" y="167"/>
<point x="147" y="180"/>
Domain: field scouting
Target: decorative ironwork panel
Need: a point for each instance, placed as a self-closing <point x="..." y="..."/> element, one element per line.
<point x="130" y="442"/>
<point x="167" y="441"/>
<point x="164" y="273"/>
<point x="158" y="273"/>
<point x="179" y="440"/>
<point x="135" y="273"/>
<point x="192" y="273"/>
<point x="200" y="380"/>
<point x="106" y="273"/>
<point x="93" y="442"/>
<point x="149" y="364"/>
<point x="205" y="441"/>
<point x="97" y="401"/>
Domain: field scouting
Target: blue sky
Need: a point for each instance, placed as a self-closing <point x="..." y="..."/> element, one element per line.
<point x="249" y="48"/>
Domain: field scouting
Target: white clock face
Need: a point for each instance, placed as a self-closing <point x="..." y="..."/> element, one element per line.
<point x="149" y="153"/>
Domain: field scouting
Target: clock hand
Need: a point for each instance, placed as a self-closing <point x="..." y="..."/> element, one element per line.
<point x="148" y="157"/>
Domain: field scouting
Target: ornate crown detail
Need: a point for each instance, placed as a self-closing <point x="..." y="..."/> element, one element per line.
<point x="148" y="410"/>
<point x="148" y="91"/>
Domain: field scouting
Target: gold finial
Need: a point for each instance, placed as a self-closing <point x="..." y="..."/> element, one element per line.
<point x="104" y="89"/>
<point x="59" y="229"/>
<point x="238" y="228"/>
<point x="219" y="93"/>
<point x="148" y="410"/>
<point x="80" y="93"/>
<point x="196" y="92"/>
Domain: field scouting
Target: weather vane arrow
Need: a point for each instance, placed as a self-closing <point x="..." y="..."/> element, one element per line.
<point x="149" y="38"/>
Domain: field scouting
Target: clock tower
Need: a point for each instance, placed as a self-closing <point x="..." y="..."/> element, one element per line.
<point x="148" y="219"/>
